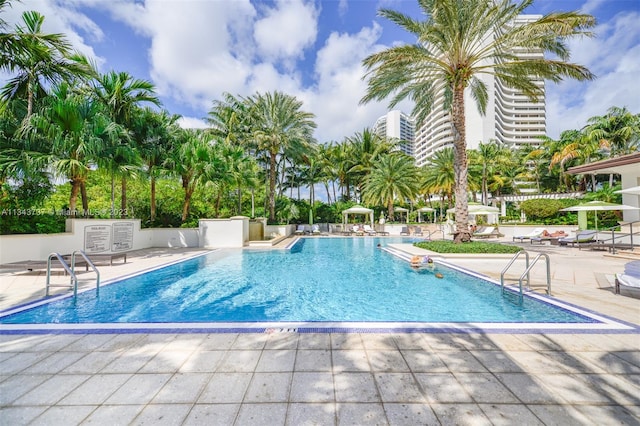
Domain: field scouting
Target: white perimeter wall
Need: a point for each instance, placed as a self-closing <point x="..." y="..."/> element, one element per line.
<point x="98" y="236"/>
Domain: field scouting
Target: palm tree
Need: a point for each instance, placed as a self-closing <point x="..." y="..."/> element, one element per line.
<point x="38" y="59"/>
<point x="459" y="41"/>
<point x="279" y="128"/>
<point x="76" y="130"/>
<point x="438" y="175"/>
<point x="191" y="159"/>
<point x="155" y="134"/>
<point x="120" y="94"/>
<point x="393" y="177"/>
<point x="618" y="128"/>
<point x="367" y="146"/>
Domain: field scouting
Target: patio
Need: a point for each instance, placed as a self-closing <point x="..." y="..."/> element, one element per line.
<point x="284" y="377"/>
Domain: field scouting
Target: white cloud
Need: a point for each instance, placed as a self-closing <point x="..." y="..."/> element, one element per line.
<point x="192" y="123"/>
<point x="286" y="30"/>
<point x="614" y="56"/>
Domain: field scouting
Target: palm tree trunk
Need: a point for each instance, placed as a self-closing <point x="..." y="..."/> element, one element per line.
<point x="460" y="166"/>
<point x="113" y="195"/>
<point x="239" y="200"/>
<point x="73" y="198"/>
<point x="153" y="199"/>
<point x="85" y="199"/>
<point x="123" y="197"/>
<point x="272" y="186"/>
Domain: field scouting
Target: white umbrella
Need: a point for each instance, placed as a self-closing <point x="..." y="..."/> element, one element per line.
<point x="635" y="190"/>
<point x="596" y="206"/>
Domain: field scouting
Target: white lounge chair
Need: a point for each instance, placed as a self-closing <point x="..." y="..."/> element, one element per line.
<point x="533" y="234"/>
<point x="369" y="230"/>
<point x="315" y="229"/>
<point x="300" y="230"/>
<point x="487" y="232"/>
<point x="630" y="279"/>
<point x="582" y="237"/>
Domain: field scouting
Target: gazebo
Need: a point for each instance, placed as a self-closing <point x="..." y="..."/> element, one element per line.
<point x="357" y="209"/>
<point x="425" y="210"/>
<point x="402" y="210"/>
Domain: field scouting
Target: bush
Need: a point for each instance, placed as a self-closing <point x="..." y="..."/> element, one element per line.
<point x="472" y="247"/>
<point x="541" y="208"/>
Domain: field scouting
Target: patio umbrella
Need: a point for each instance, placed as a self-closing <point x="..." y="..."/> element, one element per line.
<point x="635" y="190"/>
<point x="596" y="206"/>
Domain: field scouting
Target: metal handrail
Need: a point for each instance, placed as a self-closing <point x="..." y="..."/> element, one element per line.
<point x="90" y="263"/>
<point x="546" y="257"/>
<point x="74" y="280"/>
<point x="513" y="259"/>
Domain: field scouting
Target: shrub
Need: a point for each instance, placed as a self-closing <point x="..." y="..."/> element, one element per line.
<point x="541" y="208"/>
<point x="477" y="247"/>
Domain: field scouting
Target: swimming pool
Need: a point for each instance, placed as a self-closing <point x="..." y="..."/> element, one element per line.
<point x="319" y="281"/>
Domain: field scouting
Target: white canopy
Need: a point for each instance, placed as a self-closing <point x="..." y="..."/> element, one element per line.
<point x="425" y="210"/>
<point x="635" y="190"/>
<point x="357" y="209"/>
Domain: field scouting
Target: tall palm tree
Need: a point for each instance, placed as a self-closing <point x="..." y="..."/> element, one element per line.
<point x="438" y="175"/>
<point x="120" y="94"/>
<point x="279" y="128"/>
<point x="618" y="128"/>
<point x="76" y="128"/>
<point x="191" y="159"/>
<point x="459" y="41"/>
<point x="367" y="147"/>
<point x="38" y="59"/>
<point x="393" y="177"/>
<point x="155" y="134"/>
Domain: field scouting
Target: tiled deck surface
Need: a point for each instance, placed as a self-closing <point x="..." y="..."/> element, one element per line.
<point x="329" y="378"/>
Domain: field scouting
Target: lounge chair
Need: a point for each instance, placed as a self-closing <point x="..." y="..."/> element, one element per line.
<point x="630" y="279"/>
<point x="553" y="237"/>
<point x="357" y="229"/>
<point x="417" y="231"/>
<point x="369" y="230"/>
<point x="582" y="237"/>
<point x="404" y="230"/>
<point x="315" y="229"/>
<point x="533" y="234"/>
<point x="487" y="232"/>
<point x="300" y="230"/>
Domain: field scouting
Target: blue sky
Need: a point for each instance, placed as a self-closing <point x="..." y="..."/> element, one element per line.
<point x="195" y="50"/>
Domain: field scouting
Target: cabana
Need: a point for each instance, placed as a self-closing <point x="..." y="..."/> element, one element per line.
<point x="426" y="210"/>
<point x="357" y="209"/>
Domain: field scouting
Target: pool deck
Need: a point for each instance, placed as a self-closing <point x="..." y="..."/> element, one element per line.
<point x="283" y="377"/>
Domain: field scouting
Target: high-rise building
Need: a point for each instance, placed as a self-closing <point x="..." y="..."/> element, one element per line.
<point x="397" y="125"/>
<point x="511" y="118"/>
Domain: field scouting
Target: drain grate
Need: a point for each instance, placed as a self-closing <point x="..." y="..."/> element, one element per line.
<point x="280" y="330"/>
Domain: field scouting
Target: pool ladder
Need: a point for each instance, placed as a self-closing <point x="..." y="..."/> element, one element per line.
<point x="526" y="274"/>
<point x="70" y="269"/>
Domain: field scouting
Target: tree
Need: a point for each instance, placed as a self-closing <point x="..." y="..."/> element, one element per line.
<point x="393" y="177"/>
<point x="75" y="128"/>
<point x="459" y="41"/>
<point x="38" y="59"/>
<point x="155" y="134"/>
<point x="120" y="94"/>
<point x="618" y="129"/>
<point x="279" y="128"/>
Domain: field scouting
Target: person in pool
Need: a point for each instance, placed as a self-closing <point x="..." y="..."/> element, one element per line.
<point x="425" y="262"/>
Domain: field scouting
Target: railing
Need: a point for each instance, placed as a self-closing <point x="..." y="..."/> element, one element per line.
<point x="74" y="280"/>
<point x="90" y="263"/>
<point x="435" y="231"/>
<point x="526" y="274"/>
<point x="506" y="268"/>
<point x="611" y="243"/>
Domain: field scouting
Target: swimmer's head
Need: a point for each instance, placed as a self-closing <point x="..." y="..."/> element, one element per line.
<point x="429" y="260"/>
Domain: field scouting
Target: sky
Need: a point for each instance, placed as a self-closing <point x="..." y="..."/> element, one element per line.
<point x="194" y="51"/>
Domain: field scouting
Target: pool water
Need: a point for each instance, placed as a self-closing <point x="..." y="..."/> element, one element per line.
<point x="320" y="279"/>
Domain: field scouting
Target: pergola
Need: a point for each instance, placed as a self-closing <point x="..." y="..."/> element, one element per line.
<point x="357" y="209"/>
